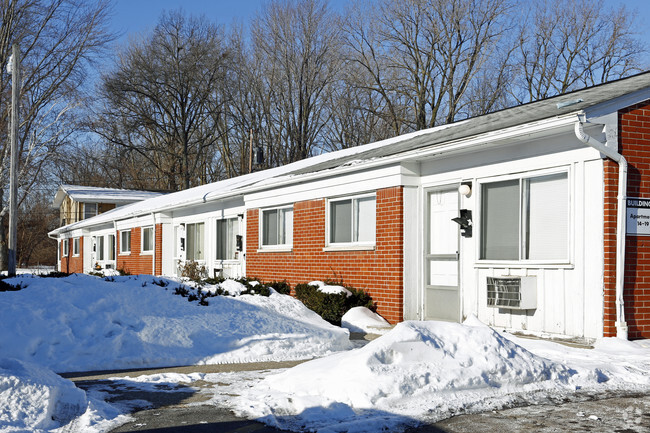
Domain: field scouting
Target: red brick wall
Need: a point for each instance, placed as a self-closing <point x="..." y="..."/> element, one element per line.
<point x="70" y="263"/>
<point x="379" y="272"/>
<point x="634" y="145"/>
<point x="136" y="263"/>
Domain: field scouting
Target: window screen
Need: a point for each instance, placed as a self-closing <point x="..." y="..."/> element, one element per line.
<point x="547" y="234"/>
<point x="352" y="220"/>
<point x="500" y="220"/>
<point x="277" y="227"/>
<point x="525" y="219"/>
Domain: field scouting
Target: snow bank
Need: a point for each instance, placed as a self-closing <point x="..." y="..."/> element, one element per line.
<point x="33" y="398"/>
<point x="83" y="323"/>
<point x="330" y="289"/>
<point x="417" y="369"/>
<point x="361" y="319"/>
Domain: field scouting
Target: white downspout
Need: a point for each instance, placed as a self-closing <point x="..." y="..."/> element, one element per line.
<point x="153" y="265"/>
<point x="621" y="325"/>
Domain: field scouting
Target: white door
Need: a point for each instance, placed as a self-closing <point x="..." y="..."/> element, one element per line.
<point x="441" y="285"/>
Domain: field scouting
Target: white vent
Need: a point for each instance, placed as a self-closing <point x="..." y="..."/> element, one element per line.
<point x="517" y="293"/>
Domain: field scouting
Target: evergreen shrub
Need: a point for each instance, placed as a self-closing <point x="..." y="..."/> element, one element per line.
<point x="332" y="306"/>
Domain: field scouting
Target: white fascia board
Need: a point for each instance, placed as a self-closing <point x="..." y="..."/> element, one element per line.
<point x="138" y="221"/>
<point x="77" y="233"/>
<point x="613" y="105"/>
<point x="546" y="126"/>
<point x="331" y="186"/>
<point x="194" y="217"/>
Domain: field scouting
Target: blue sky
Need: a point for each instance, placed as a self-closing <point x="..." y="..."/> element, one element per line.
<point x="140" y="16"/>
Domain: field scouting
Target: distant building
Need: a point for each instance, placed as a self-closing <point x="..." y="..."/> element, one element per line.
<point x="77" y="203"/>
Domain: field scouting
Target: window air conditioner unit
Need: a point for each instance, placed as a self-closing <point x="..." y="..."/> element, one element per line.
<point x="517" y="293"/>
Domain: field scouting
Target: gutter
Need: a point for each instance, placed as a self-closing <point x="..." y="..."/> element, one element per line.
<point x="621" y="325"/>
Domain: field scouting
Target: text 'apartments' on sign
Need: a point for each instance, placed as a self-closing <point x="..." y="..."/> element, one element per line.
<point x="638" y="216"/>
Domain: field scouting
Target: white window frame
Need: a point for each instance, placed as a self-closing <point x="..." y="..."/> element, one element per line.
<point x="352" y="244"/>
<point x="565" y="261"/>
<point x="288" y="244"/>
<point x="232" y="242"/>
<point x="153" y="240"/>
<point x="66" y="247"/>
<point x="76" y="247"/>
<point x="124" y="251"/>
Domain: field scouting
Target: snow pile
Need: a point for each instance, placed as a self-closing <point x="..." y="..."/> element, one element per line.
<point x="33" y="397"/>
<point x="330" y="289"/>
<point x="81" y="323"/>
<point x="361" y="319"/>
<point x="419" y="369"/>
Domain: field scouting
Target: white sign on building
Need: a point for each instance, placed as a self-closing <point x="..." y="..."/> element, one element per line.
<point x="638" y="216"/>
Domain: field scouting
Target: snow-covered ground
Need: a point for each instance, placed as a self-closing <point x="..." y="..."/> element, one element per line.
<point x="417" y="372"/>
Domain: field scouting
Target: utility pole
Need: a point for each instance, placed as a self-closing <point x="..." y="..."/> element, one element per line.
<point x="14" y="64"/>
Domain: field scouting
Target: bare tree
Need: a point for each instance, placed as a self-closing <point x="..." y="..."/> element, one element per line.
<point x="296" y="45"/>
<point x="58" y="40"/>
<point x="159" y="101"/>
<point x="422" y="56"/>
<point x="567" y="44"/>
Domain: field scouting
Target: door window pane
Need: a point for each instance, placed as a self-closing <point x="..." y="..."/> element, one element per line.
<point x="111" y="247"/>
<point x="195" y="241"/>
<point x="227" y="231"/>
<point x="100" y="248"/>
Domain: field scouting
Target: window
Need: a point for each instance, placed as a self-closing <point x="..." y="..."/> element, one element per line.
<point x="147" y="240"/>
<point x="66" y="247"/>
<point x="100" y="248"/>
<point x="194" y="234"/>
<point x="526" y="219"/>
<point x="227" y="231"/>
<point x="75" y="247"/>
<point x="125" y="242"/>
<point x="111" y="247"/>
<point x="277" y="227"/>
<point x="352" y="220"/>
<point x="90" y="210"/>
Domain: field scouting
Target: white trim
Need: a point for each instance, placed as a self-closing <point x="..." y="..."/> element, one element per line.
<point x="351" y="247"/>
<point x="76" y="245"/>
<point x="123" y="252"/>
<point x="153" y="240"/>
<point x="66" y="247"/>
<point x="274" y="247"/>
<point x="567" y="262"/>
<point x="268" y="249"/>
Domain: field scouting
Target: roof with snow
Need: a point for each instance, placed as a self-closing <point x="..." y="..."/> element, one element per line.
<point x="619" y="93"/>
<point x="93" y="194"/>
